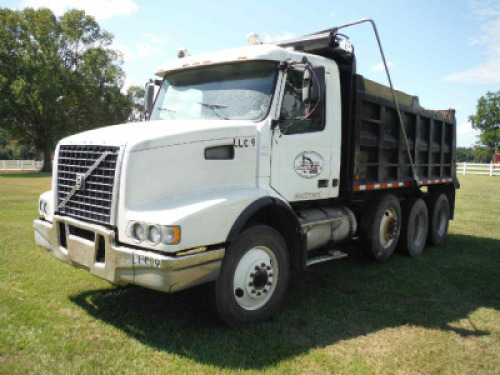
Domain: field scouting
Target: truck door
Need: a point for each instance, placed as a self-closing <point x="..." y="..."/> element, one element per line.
<point x="301" y="157"/>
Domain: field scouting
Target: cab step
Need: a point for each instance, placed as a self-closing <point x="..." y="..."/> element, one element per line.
<point x="330" y="255"/>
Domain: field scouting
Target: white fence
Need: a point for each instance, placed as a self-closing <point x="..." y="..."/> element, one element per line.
<point x="462" y="168"/>
<point x="20" y="165"/>
<point x="476" y="168"/>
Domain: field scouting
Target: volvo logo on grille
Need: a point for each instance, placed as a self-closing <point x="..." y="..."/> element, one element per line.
<point x="80" y="181"/>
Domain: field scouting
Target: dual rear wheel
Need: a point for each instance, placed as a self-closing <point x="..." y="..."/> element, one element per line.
<point x="386" y="225"/>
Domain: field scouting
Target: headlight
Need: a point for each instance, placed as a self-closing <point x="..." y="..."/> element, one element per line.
<point x="153" y="235"/>
<point x="137" y="232"/>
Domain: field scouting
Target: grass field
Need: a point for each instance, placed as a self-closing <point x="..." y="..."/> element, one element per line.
<point x="439" y="313"/>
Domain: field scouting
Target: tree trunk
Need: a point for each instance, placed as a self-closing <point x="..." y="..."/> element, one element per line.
<point x="47" y="159"/>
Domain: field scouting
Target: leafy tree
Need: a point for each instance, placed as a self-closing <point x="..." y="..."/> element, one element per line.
<point x="476" y="154"/>
<point x="487" y="120"/>
<point x="57" y="76"/>
<point x="482" y="154"/>
<point x="465" y="154"/>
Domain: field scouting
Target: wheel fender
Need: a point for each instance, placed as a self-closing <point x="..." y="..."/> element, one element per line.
<point x="295" y="239"/>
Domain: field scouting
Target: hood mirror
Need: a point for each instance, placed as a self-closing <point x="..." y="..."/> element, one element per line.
<point x="149" y="96"/>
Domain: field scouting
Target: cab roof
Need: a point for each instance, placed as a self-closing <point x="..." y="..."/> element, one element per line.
<point x="258" y="52"/>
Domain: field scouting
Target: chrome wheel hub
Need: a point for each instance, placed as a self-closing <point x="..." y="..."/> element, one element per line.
<point x="255" y="278"/>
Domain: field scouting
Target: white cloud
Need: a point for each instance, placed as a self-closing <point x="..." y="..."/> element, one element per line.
<point x="146" y="48"/>
<point x="268" y="38"/>
<point x="380" y="66"/>
<point x="488" y="13"/>
<point x="100" y="9"/>
<point x="466" y="135"/>
<point x="465" y="128"/>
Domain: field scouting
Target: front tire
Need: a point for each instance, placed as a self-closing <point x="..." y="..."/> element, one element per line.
<point x="254" y="276"/>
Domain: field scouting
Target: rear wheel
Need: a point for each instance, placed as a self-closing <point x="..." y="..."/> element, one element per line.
<point x="414" y="229"/>
<point x="380" y="227"/>
<point x="253" y="277"/>
<point x="439" y="214"/>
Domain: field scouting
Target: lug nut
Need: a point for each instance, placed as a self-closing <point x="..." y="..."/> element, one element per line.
<point x="268" y="268"/>
<point x="253" y="291"/>
<point x="263" y="265"/>
<point x="252" y="274"/>
<point x="259" y="294"/>
<point x="270" y="275"/>
<point x="250" y="284"/>
<point x="269" y="283"/>
<point x="257" y="268"/>
<point x="265" y="290"/>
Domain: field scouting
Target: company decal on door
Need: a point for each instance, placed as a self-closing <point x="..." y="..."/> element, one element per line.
<point x="309" y="164"/>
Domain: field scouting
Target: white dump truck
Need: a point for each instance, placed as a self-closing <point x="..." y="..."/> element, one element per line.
<point x="255" y="161"/>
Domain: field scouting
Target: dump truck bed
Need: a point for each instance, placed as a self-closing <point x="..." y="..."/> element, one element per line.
<point x="379" y="149"/>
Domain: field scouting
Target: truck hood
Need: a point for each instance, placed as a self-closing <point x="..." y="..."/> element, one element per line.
<point x="152" y="134"/>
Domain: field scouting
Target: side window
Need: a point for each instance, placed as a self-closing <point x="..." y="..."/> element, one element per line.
<point x="295" y="116"/>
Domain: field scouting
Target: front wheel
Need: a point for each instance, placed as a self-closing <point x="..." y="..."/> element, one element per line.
<point x="253" y="277"/>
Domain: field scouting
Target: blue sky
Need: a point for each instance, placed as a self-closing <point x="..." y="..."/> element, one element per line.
<point x="446" y="52"/>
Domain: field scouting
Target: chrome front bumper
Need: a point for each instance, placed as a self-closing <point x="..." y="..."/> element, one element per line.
<point x="123" y="265"/>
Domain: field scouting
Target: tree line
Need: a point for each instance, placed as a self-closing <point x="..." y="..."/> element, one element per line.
<point x="475" y="154"/>
<point x="59" y="76"/>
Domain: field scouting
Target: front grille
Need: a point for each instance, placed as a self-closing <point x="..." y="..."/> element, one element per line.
<point x="93" y="201"/>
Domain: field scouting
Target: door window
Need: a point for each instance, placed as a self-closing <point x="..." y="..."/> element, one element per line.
<point x="296" y="117"/>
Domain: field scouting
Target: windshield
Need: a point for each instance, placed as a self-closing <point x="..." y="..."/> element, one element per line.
<point x="238" y="91"/>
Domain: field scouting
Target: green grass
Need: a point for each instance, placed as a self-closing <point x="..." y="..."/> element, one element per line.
<point x="438" y="313"/>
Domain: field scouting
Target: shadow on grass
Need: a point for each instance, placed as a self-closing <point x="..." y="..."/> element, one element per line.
<point x="332" y="302"/>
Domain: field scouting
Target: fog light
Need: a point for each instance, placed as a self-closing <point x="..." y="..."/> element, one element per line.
<point x="137" y="232"/>
<point x="171" y="235"/>
<point x="153" y="235"/>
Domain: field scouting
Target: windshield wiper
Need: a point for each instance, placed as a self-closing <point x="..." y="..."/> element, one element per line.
<point x="216" y="108"/>
<point x="170" y="112"/>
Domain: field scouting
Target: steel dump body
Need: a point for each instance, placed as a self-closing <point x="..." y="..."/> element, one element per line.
<point x="380" y="153"/>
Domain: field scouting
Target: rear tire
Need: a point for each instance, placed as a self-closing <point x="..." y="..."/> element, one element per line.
<point x="254" y="277"/>
<point x="414" y="228"/>
<point x="439" y="214"/>
<point x="380" y="227"/>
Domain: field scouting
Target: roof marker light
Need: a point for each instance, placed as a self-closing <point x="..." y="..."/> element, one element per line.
<point x="253" y="39"/>
<point x="182" y="52"/>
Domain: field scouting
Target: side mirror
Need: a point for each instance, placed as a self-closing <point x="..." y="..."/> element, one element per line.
<point x="313" y="85"/>
<point x="306" y="86"/>
<point x="149" y="97"/>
